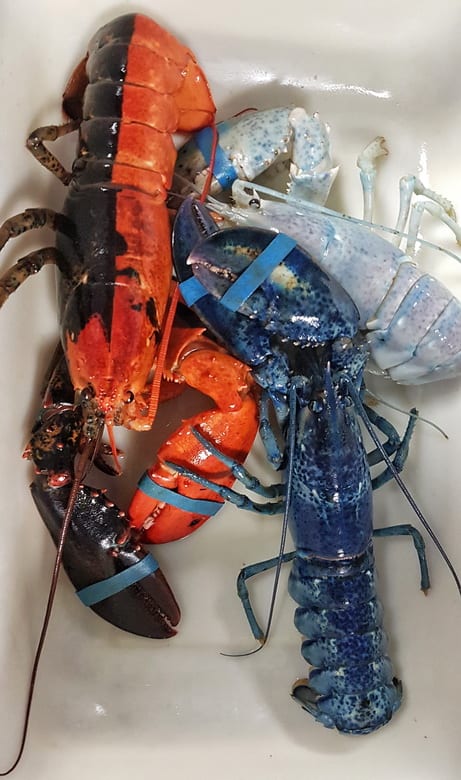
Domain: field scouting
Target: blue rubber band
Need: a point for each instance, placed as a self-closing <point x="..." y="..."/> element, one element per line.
<point x="196" y="505"/>
<point x="223" y="169"/>
<point x="93" y="594"/>
<point x="192" y="290"/>
<point x="258" y="271"/>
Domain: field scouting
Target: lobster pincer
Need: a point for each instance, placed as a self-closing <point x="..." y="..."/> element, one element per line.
<point x="111" y="571"/>
<point x="132" y="593"/>
<point x="254" y="142"/>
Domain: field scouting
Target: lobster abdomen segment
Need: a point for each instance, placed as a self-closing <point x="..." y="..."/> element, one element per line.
<point x="352" y="687"/>
<point x="140" y="86"/>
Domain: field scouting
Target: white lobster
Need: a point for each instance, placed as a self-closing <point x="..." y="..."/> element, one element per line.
<point x="411" y="320"/>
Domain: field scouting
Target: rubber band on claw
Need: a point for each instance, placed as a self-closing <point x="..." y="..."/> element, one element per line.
<point x="249" y="280"/>
<point x="198" y="506"/>
<point x="99" y="591"/>
<point x="223" y="170"/>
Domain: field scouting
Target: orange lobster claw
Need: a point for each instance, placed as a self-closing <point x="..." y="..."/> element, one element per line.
<point x="231" y="426"/>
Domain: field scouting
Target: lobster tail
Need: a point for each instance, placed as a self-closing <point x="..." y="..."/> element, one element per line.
<point x="351" y="687"/>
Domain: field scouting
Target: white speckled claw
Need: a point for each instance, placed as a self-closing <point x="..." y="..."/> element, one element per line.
<point x="254" y="142"/>
<point x="311" y="171"/>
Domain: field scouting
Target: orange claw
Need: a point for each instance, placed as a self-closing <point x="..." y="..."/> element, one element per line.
<point x="231" y="426"/>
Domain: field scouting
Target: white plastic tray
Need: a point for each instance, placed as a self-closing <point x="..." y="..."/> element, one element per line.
<point x="111" y="705"/>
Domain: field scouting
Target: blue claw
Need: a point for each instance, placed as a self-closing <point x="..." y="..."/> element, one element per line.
<point x="193" y="223"/>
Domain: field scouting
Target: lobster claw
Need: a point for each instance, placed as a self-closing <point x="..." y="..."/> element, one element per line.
<point x="208" y="261"/>
<point x="192" y="224"/>
<point x="98" y="547"/>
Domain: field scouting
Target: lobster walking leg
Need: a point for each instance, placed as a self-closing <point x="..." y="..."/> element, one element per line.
<point x="24" y="268"/>
<point x="35" y="144"/>
<point x="252" y="570"/>
<point x="394" y="445"/>
<point x="30" y="219"/>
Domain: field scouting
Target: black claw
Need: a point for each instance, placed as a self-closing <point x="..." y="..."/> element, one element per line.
<point x="91" y="554"/>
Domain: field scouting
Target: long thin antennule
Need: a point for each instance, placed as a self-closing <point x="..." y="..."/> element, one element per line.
<point x="81" y="466"/>
<point x="291" y="441"/>
<point x="291" y="444"/>
<point x="214" y="146"/>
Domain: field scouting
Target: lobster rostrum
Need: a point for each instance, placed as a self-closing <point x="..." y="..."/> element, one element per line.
<point x="136" y="86"/>
<point x="286" y="313"/>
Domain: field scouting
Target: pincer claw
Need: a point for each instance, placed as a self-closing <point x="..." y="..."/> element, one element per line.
<point x="113" y="574"/>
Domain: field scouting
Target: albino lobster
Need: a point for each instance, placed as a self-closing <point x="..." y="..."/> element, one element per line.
<point x="412" y="321"/>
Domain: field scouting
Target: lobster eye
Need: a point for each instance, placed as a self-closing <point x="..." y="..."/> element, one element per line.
<point x="315" y="405"/>
<point x="129" y="397"/>
<point x="87" y="394"/>
<point x="254" y="203"/>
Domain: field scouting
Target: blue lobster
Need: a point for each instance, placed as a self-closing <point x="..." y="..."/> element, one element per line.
<point x="276" y="310"/>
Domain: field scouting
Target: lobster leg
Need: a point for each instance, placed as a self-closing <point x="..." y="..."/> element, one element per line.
<point x="393" y="446"/>
<point x="35" y="144"/>
<point x="437" y="205"/>
<point x="25" y="267"/>
<point x="406" y="529"/>
<point x="112" y="572"/>
<point x="30" y="219"/>
<point x="247" y="572"/>
<point x="366" y="162"/>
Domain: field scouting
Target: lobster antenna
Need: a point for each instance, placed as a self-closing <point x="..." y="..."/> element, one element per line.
<point x="361" y="411"/>
<point x="82" y="461"/>
<point x="226" y="210"/>
<point x="291" y="440"/>
<point x="407" y="414"/>
<point x="214" y="145"/>
<point x="161" y="356"/>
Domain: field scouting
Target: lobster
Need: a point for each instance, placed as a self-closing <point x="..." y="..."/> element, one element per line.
<point x="261" y="295"/>
<point x="411" y="319"/>
<point x="136" y="86"/>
